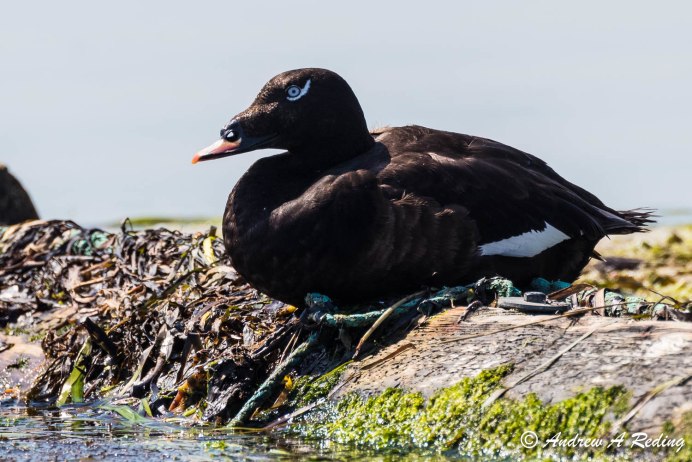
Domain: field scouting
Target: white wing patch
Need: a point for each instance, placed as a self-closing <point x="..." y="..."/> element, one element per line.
<point x="303" y="92"/>
<point x="528" y="244"/>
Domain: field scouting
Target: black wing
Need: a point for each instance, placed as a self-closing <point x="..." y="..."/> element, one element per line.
<point x="506" y="191"/>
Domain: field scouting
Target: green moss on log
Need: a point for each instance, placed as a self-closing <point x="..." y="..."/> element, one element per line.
<point x="308" y="390"/>
<point x="682" y="430"/>
<point x="455" y="419"/>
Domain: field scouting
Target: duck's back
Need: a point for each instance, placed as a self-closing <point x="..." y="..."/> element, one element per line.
<point x="528" y="220"/>
<point x="506" y="191"/>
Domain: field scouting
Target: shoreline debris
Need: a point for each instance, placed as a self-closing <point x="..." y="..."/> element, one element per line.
<point x="161" y="316"/>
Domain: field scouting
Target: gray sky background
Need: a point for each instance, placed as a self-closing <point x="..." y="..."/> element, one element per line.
<point x="103" y="105"/>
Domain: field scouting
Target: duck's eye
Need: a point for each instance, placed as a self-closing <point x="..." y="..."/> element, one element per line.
<point x="293" y="91"/>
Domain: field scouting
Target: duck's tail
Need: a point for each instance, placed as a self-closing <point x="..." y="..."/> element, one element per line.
<point x="636" y="221"/>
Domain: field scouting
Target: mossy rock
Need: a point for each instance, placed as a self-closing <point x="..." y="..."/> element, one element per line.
<point x="15" y="203"/>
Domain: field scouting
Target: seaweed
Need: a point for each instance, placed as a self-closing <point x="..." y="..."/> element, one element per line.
<point x="135" y="313"/>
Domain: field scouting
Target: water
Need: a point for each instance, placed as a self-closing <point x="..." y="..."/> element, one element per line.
<point x="87" y="433"/>
<point x="674" y="217"/>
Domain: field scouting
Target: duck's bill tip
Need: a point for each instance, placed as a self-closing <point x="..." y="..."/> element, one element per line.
<point x="225" y="148"/>
<point x="221" y="148"/>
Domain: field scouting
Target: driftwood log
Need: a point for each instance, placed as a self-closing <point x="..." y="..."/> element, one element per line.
<point x="553" y="358"/>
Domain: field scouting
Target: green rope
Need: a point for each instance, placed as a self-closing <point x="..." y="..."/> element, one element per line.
<point x="273" y="381"/>
<point x="322" y="307"/>
<point x="503" y="287"/>
<point x="354" y="320"/>
<point x="545" y="286"/>
<point x="86" y="247"/>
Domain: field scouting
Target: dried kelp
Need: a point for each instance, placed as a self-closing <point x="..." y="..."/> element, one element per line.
<point x="158" y="306"/>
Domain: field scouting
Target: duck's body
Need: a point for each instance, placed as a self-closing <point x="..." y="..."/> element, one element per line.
<point x="363" y="216"/>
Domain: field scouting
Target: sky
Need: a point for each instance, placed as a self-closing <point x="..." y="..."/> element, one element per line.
<point x="103" y="105"/>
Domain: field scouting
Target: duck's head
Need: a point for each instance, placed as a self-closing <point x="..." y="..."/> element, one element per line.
<point x="309" y="112"/>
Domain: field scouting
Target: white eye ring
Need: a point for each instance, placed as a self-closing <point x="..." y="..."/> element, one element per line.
<point x="294" y="92"/>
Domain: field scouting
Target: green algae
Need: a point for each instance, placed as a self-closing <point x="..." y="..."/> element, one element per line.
<point x="683" y="430"/>
<point x="308" y="389"/>
<point x="150" y="221"/>
<point x="455" y="420"/>
<point x="14" y="330"/>
<point x="19" y="363"/>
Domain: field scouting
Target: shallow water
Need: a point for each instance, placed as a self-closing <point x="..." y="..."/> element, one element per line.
<point x="88" y="433"/>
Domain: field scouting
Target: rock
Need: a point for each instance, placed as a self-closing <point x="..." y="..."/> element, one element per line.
<point x="15" y="203"/>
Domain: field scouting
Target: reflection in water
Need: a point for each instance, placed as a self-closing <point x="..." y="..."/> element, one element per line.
<point x="86" y="432"/>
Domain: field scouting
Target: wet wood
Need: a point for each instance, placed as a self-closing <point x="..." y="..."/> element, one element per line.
<point x="639" y="355"/>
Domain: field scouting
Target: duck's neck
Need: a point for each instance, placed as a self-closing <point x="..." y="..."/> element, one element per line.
<point x="322" y="152"/>
<point x="274" y="180"/>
